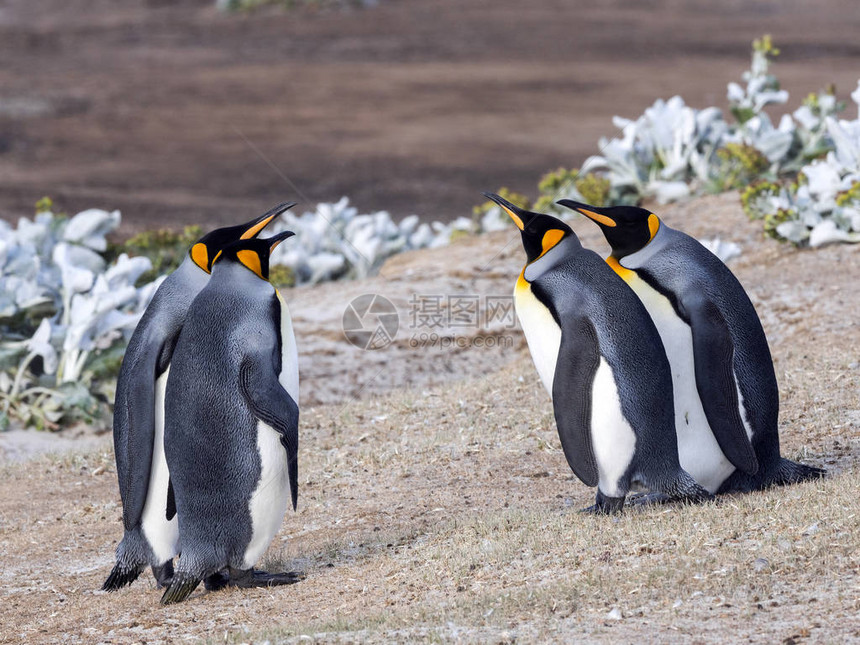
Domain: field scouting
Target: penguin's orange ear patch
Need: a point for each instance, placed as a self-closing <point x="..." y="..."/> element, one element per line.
<point x="550" y="239"/>
<point x="200" y="256"/>
<point x="251" y="260"/>
<point x="653" y="225"/>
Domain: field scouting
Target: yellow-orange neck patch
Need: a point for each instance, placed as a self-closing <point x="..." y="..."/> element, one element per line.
<point x="626" y="274"/>
<point x="251" y="259"/>
<point x="200" y="256"/>
<point x="522" y="283"/>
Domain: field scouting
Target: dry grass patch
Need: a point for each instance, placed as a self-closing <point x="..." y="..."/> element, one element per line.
<point x="761" y="566"/>
<point x="451" y="514"/>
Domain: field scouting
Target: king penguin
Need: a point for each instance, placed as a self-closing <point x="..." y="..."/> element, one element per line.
<point x="726" y="395"/>
<point x="606" y="372"/>
<point x="231" y="423"/>
<point x="138" y="427"/>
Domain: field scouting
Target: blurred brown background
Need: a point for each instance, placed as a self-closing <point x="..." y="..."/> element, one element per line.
<point x="177" y="113"/>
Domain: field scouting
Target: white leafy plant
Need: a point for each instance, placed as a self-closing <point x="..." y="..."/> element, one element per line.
<point x="52" y="272"/>
<point x="334" y="241"/>
<point x="54" y="278"/>
<point x="823" y="207"/>
<point x="670" y="152"/>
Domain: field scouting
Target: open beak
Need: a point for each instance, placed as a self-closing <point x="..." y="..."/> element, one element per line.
<point x="277" y="239"/>
<point x="255" y="226"/>
<point x="591" y="212"/>
<point x="514" y="212"/>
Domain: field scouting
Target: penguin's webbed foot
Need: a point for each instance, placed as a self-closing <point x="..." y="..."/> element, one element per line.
<point x="216" y="581"/>
<point x="687" y="489"/>
<point x="604" y="505"/>
<point x="253" y="578"/>
<point x="163" y="574"/>
<point x="180" y="588"/>
<point x="649" y="499"/>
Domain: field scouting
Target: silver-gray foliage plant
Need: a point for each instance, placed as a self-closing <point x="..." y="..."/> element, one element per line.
<point x="62" y="303"/>
<point x="670" y="153"/>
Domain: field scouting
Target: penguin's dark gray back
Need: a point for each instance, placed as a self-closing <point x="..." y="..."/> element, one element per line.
<point x="684" y="268"/>
<point x="210" y="432"/>
<point x="150" y="348"/>
<point x="585" y="285"/>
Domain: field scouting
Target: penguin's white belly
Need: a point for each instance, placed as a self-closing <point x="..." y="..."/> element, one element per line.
<point x="698" y="450"/>
<point x="289" y="376"/>
<point x="162" y="535"/>
<point x="268" y="502"/>
<point x="612" y="437"/>
<point x="542" y="334"/>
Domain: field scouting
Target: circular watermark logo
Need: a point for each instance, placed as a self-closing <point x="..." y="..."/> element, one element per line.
<point x="370" y="321"/>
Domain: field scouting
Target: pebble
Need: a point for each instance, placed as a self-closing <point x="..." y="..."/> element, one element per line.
<point x="760" y="564"/>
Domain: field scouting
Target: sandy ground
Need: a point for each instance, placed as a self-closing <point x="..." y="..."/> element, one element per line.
<point x="436" y="505"/>
<point x="177" y="114"/>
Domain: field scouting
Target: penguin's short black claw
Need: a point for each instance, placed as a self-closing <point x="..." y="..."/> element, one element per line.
<point x="120" y="577"/>
<point x="649" y="499"/>
<point x="163" y="574"/>
<point x="179" y="589"/>
<point x="253" y="578"/>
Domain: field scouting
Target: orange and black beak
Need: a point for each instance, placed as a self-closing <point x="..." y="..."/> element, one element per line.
<point x="520" y="216"/>
<point x="253" y="228"/>
<point x="627" y="228"/>
<point x="591" y="212"/>
<point x="540" y="232"/>
<point x="253" y="254"/>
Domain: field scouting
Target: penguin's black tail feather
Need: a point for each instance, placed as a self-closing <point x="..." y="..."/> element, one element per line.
<point x="121" y="576"/>
<point x="790" y="472"/>
<point x="180" y="588"/>
<point x="685" y="488"/>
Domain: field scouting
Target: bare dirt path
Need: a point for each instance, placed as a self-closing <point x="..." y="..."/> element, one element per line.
<point x="175" y="113"/>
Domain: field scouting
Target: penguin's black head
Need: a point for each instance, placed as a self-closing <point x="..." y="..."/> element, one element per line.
<point x="626" y="228"/>
<point x="253" y="253"/>
<point x="540" y="232"/>
<point x="205" y="250"/>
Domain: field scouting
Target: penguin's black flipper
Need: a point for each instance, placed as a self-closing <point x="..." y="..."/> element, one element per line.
<point x="120" y="577"/>
<point x="134" y="428"/>
<point x="180" y="588"/>
<point x="271" y="403"/>
<point x="571" y="395"/>
<point x="715" y="380"/>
